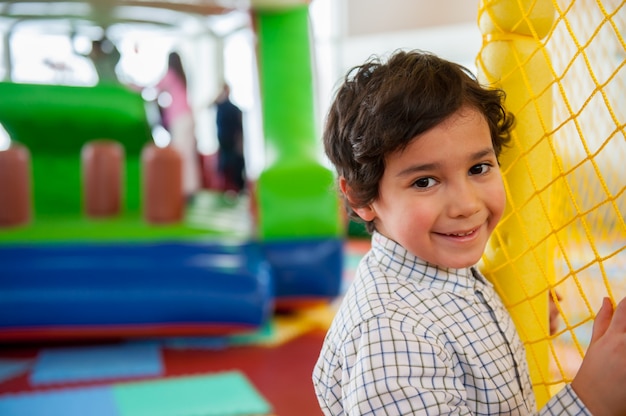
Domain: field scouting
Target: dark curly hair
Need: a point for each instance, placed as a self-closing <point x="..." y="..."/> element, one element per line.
<point x="381" y="107"/>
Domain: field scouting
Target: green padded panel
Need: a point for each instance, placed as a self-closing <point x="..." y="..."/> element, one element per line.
<point x="220" y="394"/>
<point x="298" y="201"/>
<point x="55" y="121"/>
<point x="211" y="215"/>
<point x="294" y="191"/>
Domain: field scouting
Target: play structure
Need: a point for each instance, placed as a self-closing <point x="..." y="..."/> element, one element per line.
<point x="563" y="233"/>
<point x="75" y="264"/>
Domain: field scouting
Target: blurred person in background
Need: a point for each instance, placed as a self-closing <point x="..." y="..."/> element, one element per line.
<point x="105" y="57"/>
<point x="231" y="163"/>
<point x="177" y="117"/>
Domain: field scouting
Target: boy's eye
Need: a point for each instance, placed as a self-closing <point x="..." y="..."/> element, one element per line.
<point x="479" y="169"/>
<point x="424" y="182"/>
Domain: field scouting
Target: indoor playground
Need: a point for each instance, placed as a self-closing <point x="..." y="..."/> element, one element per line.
<point x="119" y="295"/>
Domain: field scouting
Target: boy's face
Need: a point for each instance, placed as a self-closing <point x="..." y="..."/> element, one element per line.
<point x="442" y="196"/>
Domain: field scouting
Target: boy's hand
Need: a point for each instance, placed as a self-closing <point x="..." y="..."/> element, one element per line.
<point x="554" y="312"/>
<point x="602" y="376"/>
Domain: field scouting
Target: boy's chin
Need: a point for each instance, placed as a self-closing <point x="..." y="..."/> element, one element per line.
<point x="458" y="263"/>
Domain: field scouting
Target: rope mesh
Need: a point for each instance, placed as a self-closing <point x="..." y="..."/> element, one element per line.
<point x="581" y="133"/>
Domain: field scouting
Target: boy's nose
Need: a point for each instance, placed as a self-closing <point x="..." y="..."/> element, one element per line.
<point x="463" y="199"/>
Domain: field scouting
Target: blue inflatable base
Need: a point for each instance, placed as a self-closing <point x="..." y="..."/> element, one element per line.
<point x="158" y="289"/>
<point x="305" y="270"/>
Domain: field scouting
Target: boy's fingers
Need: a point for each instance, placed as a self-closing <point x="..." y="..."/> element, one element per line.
<point x="603" y="319"/>
<point x="618" y="323"/>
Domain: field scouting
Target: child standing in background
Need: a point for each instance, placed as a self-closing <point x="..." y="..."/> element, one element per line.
<point x="179" y="121"/>
<point x="415" y="142"/>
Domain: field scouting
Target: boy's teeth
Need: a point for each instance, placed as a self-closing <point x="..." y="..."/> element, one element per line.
<point x="461" y="234"/>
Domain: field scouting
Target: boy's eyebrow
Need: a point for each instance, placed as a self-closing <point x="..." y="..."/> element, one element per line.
<point x="488" y="151"/>
<point x="417" y="168"/>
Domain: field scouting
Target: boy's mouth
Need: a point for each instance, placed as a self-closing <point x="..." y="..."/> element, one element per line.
<point x="461" y="233"/>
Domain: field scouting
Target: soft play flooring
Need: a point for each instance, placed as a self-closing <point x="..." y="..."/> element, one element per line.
<point x="265" y="372"/>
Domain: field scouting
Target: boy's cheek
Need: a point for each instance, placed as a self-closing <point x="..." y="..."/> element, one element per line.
<point x="499" y="198"/>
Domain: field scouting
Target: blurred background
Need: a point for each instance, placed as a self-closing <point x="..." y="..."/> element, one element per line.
<point x="217" y="303"/>
<point x="193" y="312"/>
<point x="48" y="42"/>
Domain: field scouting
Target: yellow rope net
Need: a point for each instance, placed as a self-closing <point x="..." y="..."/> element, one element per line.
<point x="563" y="66"/>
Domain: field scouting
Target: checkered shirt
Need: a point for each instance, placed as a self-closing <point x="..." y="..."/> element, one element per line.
<point x="413" y="339"/>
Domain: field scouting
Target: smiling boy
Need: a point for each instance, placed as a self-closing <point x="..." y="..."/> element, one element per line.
<point x="415" y="143"/>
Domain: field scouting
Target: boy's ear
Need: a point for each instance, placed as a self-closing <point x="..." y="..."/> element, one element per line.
<point x="366" y="213"/>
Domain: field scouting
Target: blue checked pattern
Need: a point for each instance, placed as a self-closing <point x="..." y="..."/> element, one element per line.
<point x="413" y="339"/>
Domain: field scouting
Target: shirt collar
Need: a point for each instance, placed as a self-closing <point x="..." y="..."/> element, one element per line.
<point x="394" y="257"/>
